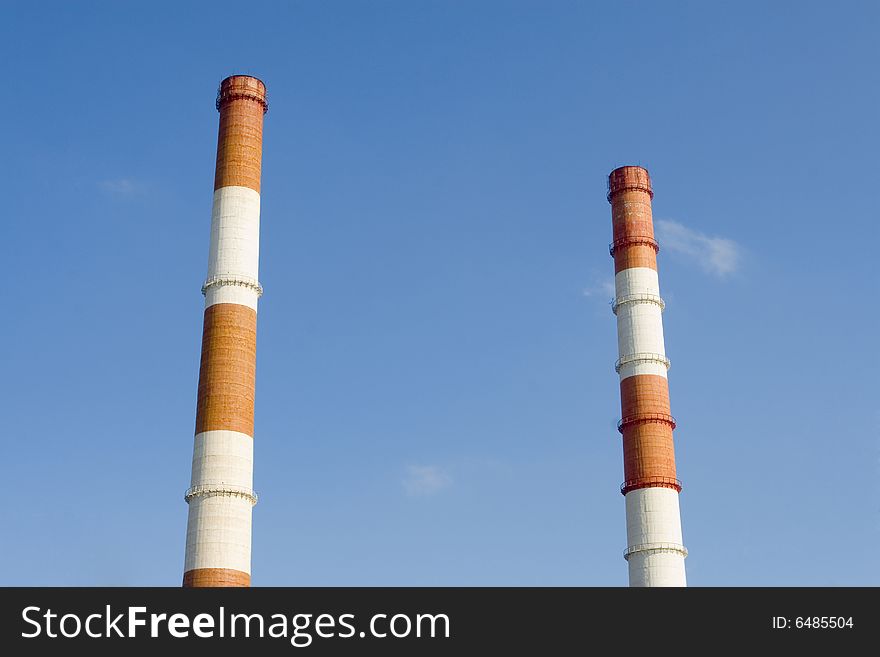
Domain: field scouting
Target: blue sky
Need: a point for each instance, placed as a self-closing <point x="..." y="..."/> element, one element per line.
<point x="436" y="398"/>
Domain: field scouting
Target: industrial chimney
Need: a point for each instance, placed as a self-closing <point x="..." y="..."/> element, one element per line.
<point x="221" y="497"/>
<point x="654" y="552"/>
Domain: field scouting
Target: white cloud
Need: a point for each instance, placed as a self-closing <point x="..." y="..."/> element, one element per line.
<point x="603" y="288"/>
<point x="717" y="255"/>
<point x="425" y="480"/>
<point x="121" y="186"/>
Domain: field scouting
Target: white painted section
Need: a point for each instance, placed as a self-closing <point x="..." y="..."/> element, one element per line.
<point x="636" y="280"/>
<point x="656" y="569"/>
<point x="652" y="516"/>
<point x="653" y="530"/>
<point x="639" y="324"/>
<point x="640" y="329"/>
<point x="235" y="245"/>
<point x="235" y="233"/>
<point x="218" y="531"/>
<point x="223" y="457"/>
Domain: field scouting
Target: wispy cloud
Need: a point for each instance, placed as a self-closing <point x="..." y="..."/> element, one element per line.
<point x="603" y="288"/>
<point x="717" y="255"/>
<point x="121" y="186"/>
<point x="425" y="480"/>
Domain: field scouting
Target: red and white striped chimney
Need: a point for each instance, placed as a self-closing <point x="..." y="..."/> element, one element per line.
<point x="221" y="496"/>
<point x="654" y="552"/>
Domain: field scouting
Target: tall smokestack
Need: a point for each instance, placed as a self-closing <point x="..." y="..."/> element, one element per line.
<point x="221" y="497"/>
<point x="654" y="552"/>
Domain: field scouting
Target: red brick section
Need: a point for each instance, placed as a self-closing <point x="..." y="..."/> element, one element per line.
<point x="644" y="393"/>
<point x="648" y="450"/>
<point x="646" y="423"/>
<point x="630" y="194"/>
<point x="228" y="369"/>
<point x="215" y="577"/>
<point x="242" y="103"/>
